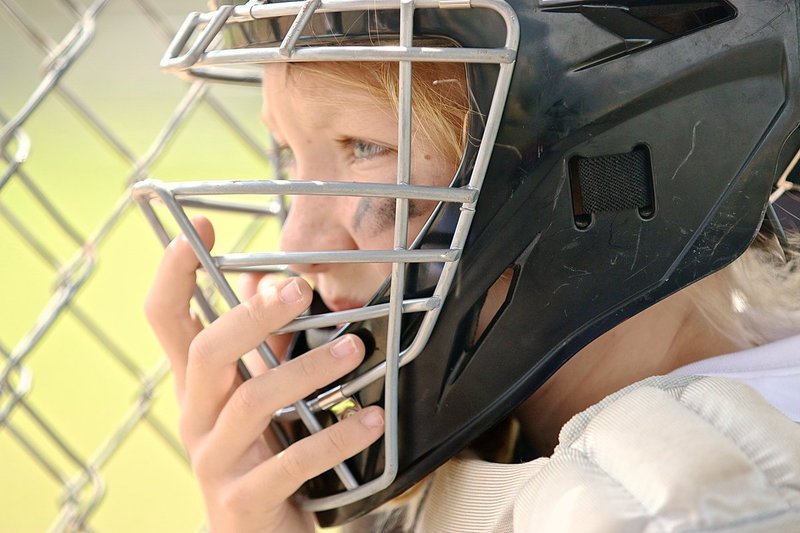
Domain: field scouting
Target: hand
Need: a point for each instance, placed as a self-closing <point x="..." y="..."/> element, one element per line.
<point x="249" y="284"/>
<point x="244" y="477"/>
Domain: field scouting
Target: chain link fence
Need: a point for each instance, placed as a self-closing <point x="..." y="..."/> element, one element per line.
<point x="87" y="414"/>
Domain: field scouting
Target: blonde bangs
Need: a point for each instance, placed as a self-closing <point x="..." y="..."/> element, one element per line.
<point x="439" y="96"/>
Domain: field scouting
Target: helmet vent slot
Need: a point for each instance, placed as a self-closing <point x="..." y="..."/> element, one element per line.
<point x="644" y="23"/>
<point x="611" y="183"/>
<point x="654" y="20"/>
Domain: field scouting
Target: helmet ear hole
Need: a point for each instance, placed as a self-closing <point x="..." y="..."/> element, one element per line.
<point x="611" y="183"/>
<point x="494" y="302"/>
<point x="477" y="325"/>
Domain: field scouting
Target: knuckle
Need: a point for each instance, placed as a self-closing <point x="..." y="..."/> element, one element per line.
<point x="257" y="310"/>
<point x="234" y="498"/>
<point x="246" y="398"/>
<point x="307" y="367"/>
<point x="294" y="466"/>
<point x="200" y="349"/>
<point x="338" y="442"/>
<point x="203" y="463"/>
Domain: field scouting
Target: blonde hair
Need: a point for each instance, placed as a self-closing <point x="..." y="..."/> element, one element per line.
<point x="756" y="299"/>
<point x="440" y="106"/>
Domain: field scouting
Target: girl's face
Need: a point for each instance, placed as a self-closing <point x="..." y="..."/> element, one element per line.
<point x="330" y="131"/>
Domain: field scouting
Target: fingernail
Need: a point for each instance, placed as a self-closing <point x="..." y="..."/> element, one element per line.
<point x="343" y="347"/>
<point x="372" y="419"/>
<point x="291" y="293"/>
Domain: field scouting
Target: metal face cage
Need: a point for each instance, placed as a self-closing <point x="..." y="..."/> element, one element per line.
<point x="204" y="57"/>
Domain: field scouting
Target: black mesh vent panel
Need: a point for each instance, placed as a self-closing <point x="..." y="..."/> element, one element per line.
<point x="611" y="183"/>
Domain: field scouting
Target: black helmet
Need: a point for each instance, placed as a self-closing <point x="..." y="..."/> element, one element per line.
<point x="637" y="144"/>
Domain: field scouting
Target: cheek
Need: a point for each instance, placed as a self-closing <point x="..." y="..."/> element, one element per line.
<point x="384" y="239"/>
<point x="432" y="170"/>
<point x="374" y="219"/>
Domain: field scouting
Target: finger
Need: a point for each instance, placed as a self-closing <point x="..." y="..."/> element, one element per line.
<point x="249" y="410"/>
<point x="280" y="476"/>
<point x="247" y="283"/>
<point x="211" y="370"/>
<point x="167" y="304"/>
<point x="279" y="344"/>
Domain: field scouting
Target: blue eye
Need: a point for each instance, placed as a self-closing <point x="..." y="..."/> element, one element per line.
<point x="365" y="150"/>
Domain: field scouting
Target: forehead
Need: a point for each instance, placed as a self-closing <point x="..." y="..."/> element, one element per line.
<point x="332" y="89"/>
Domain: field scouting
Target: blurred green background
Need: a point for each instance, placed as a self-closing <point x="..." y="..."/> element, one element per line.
<point x="102" y="398"/>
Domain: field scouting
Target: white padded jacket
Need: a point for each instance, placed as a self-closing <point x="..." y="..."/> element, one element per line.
<point x="674" y="454"/>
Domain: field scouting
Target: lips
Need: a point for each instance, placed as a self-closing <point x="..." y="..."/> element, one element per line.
<point x="342" y="304"/>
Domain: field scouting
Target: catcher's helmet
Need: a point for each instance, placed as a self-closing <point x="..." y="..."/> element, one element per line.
<point x="619" y="151"/>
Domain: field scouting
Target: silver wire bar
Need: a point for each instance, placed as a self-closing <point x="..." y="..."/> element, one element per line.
<point x="428" y="54"/>
<point x="250" y="209"/>
<point x="204" y="63"/>
<point x="141" y="166"/>
<point x="287" y="47"/>
<point x="197" y="56"/>
<point x="245" y="13"/>
<point x="326" y="320"/>
<point x="410" y="353"/>
<point x="167" y="32"/>
<point x="337" y="394"/>
<point x="206" y="38"/>
<point x="396" y="292"/>
<point x="336" y="256"/>
<point x="391" y="441"/>
<point x="277" y="269"/>
<point x="309" y="420"/>
<point x="317" y="188"/>
<point x="459" y="237"/>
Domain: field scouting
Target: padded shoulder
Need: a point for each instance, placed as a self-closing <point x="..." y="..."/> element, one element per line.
<point x="670" y="454"/>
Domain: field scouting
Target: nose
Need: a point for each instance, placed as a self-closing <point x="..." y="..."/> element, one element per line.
<point x="315" y="223"/>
